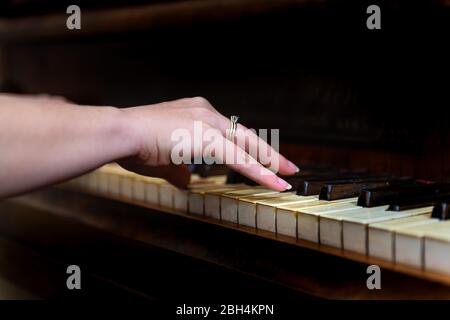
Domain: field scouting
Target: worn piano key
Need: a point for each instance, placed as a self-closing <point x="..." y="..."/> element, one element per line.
<point x="140" y="186"/>
<point x="196" y="199"/>
<point x="212" y="201"/>
<point x="152" y="189"/>
<point x="226" y="203"/>
<point x="410" y="246"/>
<point x="331" y="224"/>
<point x="348" y="189"/>
<point x="113" y="181"/>
<point x="92" y="181"/>
<point x="103" y="175"/>
<point x="355" y="226"/>
<point x="266" y="210"/>
<point x="180" y="200"/>
<point x="180" y="196"/>
<point x="175" y="198"/>
<point x="166" y="195"/>
<point x="308" y="218"/>
<point x="386" y="195"/>
<point x="102" y="180"/>
<point x="126" y="184"/>
<point x="286" y="219"/>
<point x="437" y="248"/>
<point x="82" y="181"/>
<point x="382" y="234"/>
<point x="247" y="207"/>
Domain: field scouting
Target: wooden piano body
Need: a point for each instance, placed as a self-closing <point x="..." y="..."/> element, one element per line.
<point x="340" y="94"/>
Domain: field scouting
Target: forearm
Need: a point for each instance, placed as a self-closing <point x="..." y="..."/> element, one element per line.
<point x="44" y="143"/>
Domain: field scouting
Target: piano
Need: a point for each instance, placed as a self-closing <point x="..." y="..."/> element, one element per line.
<point x="363" y="112"/>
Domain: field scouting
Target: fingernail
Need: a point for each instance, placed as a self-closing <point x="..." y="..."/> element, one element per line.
<point x="284" y="184"/>
<point x="293" y="166"/>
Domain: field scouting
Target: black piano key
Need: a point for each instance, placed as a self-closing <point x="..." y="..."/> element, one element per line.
<point x="234" y="177"/>
<point x="341" y="190"/>
<point x="418" y="202"/>
<point x="313" y="186"/>
<point x="206" y="170"/>
<point x="387" y="195"/>
<point x="298" y="179"/>
<point x="441" y="210"/>
<point x="309" y="171"/>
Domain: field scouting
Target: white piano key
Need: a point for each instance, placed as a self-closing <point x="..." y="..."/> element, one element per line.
<point x="229" y="201"/>
<point x="308" y="218"/>
<point x="102" y="178"/>
<point x="196" y="197"/>
<point x="437" y="249"/>
<point x="195" y="203"/>
<point x="180" y="200"/>
<point x="152" y="192"/>
<point x="409" y="243"/>
<point x="247" y="214"/>
<point x="113" y="184"/>
<point x="126" y="185"/>
<point x="437" y="256"/>
<point x="381" y="235"/>
<point x="247" y="207"/>
<point x="139" y="188"/>
<point x="212" y="206"/>
<point x="229" y="209"/>
<point x="331" y="233"/>
<point x="166" y="195"/>
<point x="82" y="182"/>
<point x="355" y="225"/>
<point x="287" y="222"/>
<point x="408" y="250"/>
<point x="266" y="210"/>
<point x="92" y="181"/>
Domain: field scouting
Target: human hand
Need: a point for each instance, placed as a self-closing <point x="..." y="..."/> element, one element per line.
<point x="152" y="128"/>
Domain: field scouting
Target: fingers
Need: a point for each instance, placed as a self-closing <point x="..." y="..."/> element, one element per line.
<point x="240" y="161"/>
<point x="178" y="175"/>
<point x="256" y="146"/>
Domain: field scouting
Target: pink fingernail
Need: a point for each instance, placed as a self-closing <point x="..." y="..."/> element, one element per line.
<point x="293" y="166"/>
<point x="284" y="184"/>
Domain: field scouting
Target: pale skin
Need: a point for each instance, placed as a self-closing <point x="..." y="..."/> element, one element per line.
<point x="45" y="140"/>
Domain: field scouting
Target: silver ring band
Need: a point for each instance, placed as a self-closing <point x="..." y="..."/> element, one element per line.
<point x="233" y="127"/>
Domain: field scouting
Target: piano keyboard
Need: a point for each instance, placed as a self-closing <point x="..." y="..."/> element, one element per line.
<point x="414" y="238"/>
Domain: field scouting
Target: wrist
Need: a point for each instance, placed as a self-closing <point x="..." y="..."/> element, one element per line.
<point x="123" y="132"/>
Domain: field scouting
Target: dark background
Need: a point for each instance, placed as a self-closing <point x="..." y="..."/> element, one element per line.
<point x="310" y="68"/>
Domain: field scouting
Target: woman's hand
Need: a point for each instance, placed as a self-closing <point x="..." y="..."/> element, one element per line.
<point x="45" y="140"/>
<point x="153" y="126"/>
